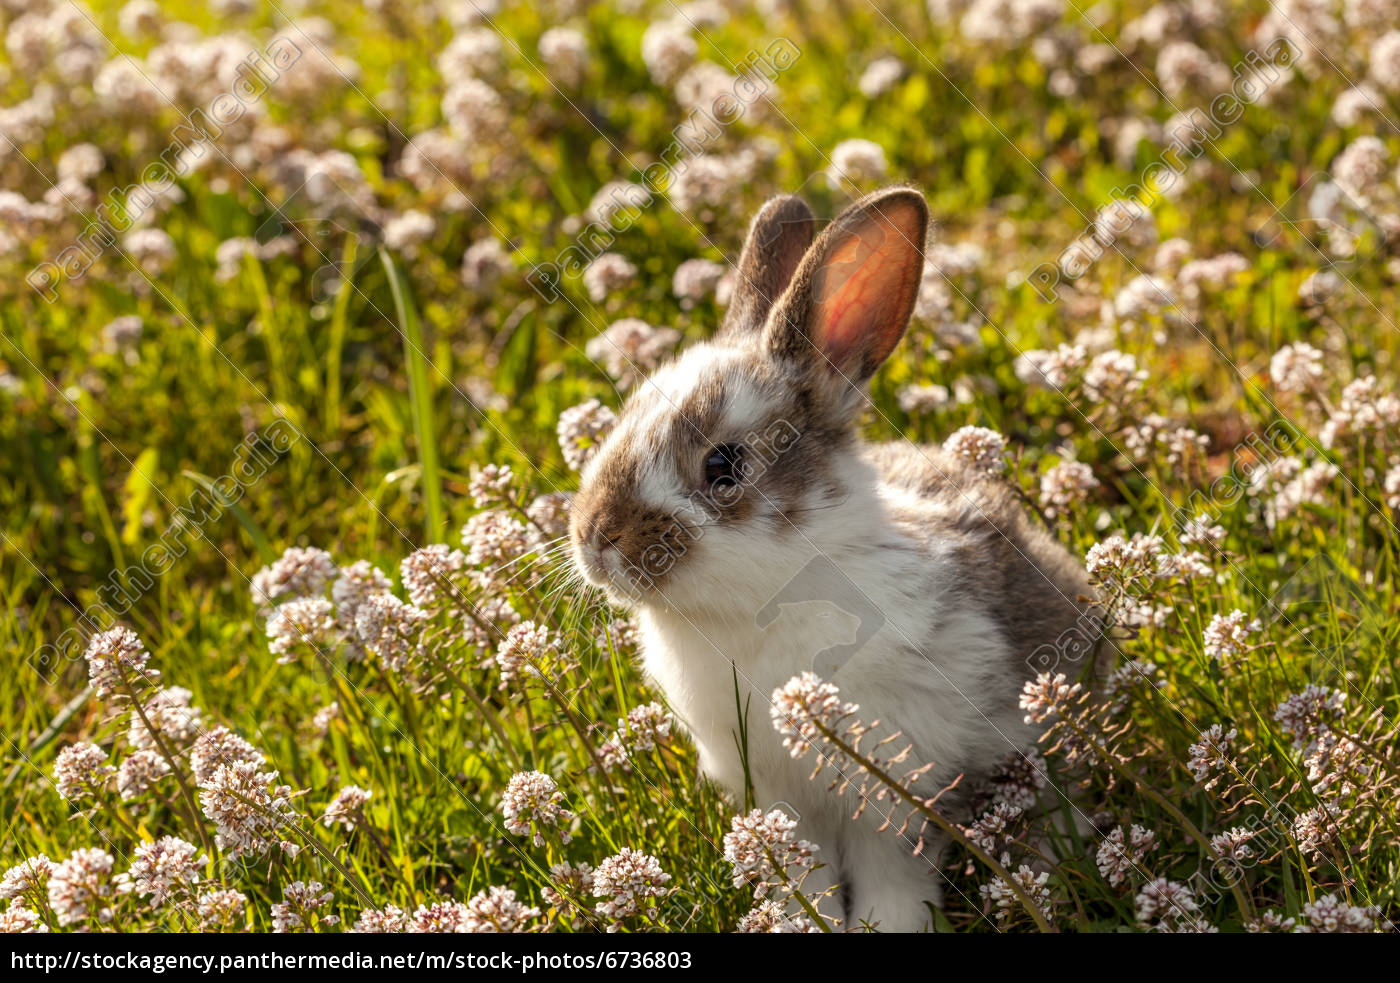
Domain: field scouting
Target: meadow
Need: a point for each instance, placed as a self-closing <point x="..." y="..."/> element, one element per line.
<point x="312" y="312"/>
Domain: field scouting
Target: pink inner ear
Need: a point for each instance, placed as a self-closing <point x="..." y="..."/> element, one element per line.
<point x="866" y="287"/>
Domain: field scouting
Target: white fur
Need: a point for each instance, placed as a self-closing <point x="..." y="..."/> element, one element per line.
<point x="920" y="675"/>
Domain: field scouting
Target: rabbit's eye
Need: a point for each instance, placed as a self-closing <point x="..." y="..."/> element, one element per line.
<point x="724" y="466"/>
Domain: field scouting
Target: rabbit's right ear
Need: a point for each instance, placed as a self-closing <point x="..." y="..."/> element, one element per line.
<point x="778" y="239"/>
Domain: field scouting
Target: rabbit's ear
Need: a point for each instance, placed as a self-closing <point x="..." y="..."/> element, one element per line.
<point x="850" y="300"/>
<point x="778" y="238"/>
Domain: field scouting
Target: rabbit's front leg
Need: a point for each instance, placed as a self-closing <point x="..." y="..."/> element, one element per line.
<point x="887" y="891"/>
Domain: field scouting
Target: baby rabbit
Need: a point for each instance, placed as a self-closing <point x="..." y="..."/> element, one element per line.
<point x="735" y="487"/>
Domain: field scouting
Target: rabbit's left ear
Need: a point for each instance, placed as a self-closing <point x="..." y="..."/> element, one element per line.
<point x="850" y="299"/>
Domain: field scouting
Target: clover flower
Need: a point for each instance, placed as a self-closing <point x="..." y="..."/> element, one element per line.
<point x="168" y="867"/>
<point x="531" y="806"/>
<point x="607" y="274"/>
<point x="527" y="648"/>
<point x="347" y="808"/>
<point x="81" y="771"/>
<point x="1331" y="914"/>
<point x="496" y="910"/>
<point x="764" y="852"/>
<point x="1065" y="486"/>
<point x="389" y="920"/>
<point x="1003" y="900"/>
<point x="1304" y="715"/>
<point x="1121" y="851"/>
<point x="771" y="918"/>
<point x="299" y="909"/>
<point x="1209" y="759"/>
<point x="858" y="162"/>
<point x="1166" y="906"/>
<point x="27" y="879"/>
<point x="803" y="707"/>
<point x="390" y="629"/>
<point x="220" y="746"/>
<point x="983" y="450"/>
<point x="1228" y="634"/>
<point x="301" y="626"/>
<point x="139" y="771"/>
<point x="631" y="883"/>
<point x="582" y="429"/>
<point x="428" y="575"/>
<point x="117" y="658"/>
<point x="630" y="347"/>
<point x="82" y="889"/>
<point x="19" y="920"/>
<point x="248" y="808"/>
<point x="298" y="572"/>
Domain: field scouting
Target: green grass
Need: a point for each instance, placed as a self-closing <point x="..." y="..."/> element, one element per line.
<point x="402" y="383"/>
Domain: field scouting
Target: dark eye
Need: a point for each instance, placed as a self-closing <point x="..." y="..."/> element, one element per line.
<point x="724" y="466"/>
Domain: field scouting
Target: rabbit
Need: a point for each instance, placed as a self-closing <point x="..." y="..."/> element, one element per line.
<point x="735" y="486"/>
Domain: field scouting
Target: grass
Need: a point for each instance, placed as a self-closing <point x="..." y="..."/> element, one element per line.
<point x="401" y="383"/>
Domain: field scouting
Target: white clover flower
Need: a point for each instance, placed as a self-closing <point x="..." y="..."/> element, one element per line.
<point x="27" y="879"/>
<point x="151" y="249"/>
<point x="1047" y="695"/>
<point x="81" y="771"/>
<point x="856" y="161"/>
<point x="496" y="910"/>
<point x="772" y="918"/>
<point x="569" y="883"/>
<point x="803" y="707"/>
<point x="117" y="658"/>
<point x="299" y="909"/>
<point x="1209" y="759"/>
<point x="983" y="450"/>
<point x="607" y="274"/>
<point x="668" y="50"/>
<point x="564" y="52"/>
<point x="139" y="771"/>
<point x="880" y="76"/>
<point x="299" y="572"/>
<point x="1120" y="852"/>
<point x="167" y="868"/>
<point x="1003" y="899"/>
<point x="1228" y="634"/>
<point x="389" y="920"/>
<point x="1166" y="906"/>
<point x="248" y="808"/>
<point x="631" y="883"/>
<point x="168" y="710"/>
<point x="531" y="806"/>
<point x="630" y="348"/>
<point x="1113" y="376"/>
<point x="1305" y="715"/>
<point x="764" y="852"/>
<point x="391" y="629"/>
<point x="696" y="279"/>
<point x="409" y="230"/>
<point x="1065" y="486"/>
<point x="19" y="920"/>
<point x="429" y="575"/>
<point x="1052" y="369"/>
<point x="220" y="746"/>
<point x="82" y="889"/>
<point x="302" y="626"/>
<point x="347" y="807"/>
<point x="582" y="429"/>
<point x="483" y="264"/>
<point x="1331" y="914"/>
<point x="917" y="399"/>
<point x="221" y="910"/>
<point x="527" y="649"/>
